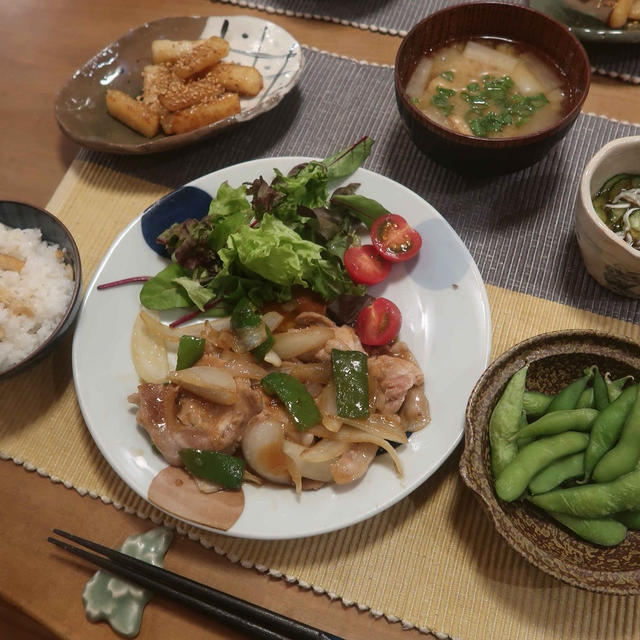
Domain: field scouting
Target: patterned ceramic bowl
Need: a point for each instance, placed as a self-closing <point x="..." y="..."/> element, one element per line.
<point x="607" y="257"/>
<point x="25" y="216"/>
<point x="554" y="360"/>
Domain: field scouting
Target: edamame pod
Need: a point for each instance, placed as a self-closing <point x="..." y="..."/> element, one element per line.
<point x="624" y="456"/>
<point x="568" y="397"/>
<point x="614" y="387"/>
<point x="600" y="393"/>
<point x="606" y="532"/>
<point x="505" y="422"/>
<point x="594" y="500"/>
<point x="630" y="519"/>
<point x="586" y="399"/>
<point x="535" y="403"/>
<point x="606" y="428"/>
<point x="558" y="472"/>
<point x="530" y="460"/>
<point x="558" y="422"/>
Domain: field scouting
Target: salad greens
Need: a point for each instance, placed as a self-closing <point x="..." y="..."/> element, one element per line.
<point x="259" y="240"/>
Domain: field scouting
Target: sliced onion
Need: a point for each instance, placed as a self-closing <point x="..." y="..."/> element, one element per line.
<point x="262" y="448"/>
<point x="326" y="402"/>
<point x="294" y="343"/>
<point x="210" y="383"/>
<point x="252" y="337"/>
<point x="324" y="450"/>
<point x="171" y="334"/>
<point x="206" y="486"/>
<point x="380" y="426"/>
<point x="272" y="319"/>
<point x="309" y="371"/>
<point x="313" y="470"/>
<point x="272" y="358"/>
<point x="148" y="353"/>
<point x="236" y="366"/>
<point x="351" y="434"/>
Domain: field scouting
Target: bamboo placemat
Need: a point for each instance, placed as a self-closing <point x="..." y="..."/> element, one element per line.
<point x="433" y="560"/>
<point x="396" y="17"/>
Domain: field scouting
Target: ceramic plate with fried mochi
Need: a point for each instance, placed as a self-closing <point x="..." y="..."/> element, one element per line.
<point x="80" y="107"/>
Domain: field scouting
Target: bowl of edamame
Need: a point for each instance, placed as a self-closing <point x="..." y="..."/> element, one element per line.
<point x="552" y="449"/>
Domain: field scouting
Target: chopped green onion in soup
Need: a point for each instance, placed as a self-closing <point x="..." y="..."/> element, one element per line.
<point x="488" y="88"/>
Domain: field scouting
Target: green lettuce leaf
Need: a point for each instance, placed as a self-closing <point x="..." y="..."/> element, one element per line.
<point x="162" y="292"/>
<point x="198" y="294"/>
<point x="278" y="254"/>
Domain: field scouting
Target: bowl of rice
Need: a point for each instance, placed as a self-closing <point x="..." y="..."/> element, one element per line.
<point x="40" y="283"/>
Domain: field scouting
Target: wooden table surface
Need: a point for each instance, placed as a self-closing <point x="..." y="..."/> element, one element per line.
<point x="41" y="44"/>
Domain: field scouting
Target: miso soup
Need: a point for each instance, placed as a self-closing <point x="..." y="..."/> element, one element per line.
<point x="488" y="88"/>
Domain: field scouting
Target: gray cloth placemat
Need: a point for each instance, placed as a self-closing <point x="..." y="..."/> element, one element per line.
<point x="518" y="227"/>
<point x="396" y="17"/>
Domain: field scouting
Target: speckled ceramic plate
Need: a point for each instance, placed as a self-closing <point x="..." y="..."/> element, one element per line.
<point x="80" y="105"/>
<point x="445" y="322"/>
<point x="581" y="19"/>
<point x="555" y="359"/>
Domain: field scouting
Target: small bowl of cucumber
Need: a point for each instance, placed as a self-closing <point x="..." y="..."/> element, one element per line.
<point x="552" y="450"/>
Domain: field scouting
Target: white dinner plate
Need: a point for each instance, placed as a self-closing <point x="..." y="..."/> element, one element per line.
<point x="446" y="323"/>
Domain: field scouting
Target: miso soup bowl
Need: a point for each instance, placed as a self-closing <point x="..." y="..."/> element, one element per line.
<point x="545" y="36"/>
<point x="607" y="257"/>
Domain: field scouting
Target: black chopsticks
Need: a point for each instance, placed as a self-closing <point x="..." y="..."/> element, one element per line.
<point x="242" y="615"/>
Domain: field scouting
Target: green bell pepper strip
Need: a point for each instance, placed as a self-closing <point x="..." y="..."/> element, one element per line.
<point x="294" y="396"/>
<point x="351" y="379"/>
<point x="190" y="350"/>
<point x="220" y="468"/>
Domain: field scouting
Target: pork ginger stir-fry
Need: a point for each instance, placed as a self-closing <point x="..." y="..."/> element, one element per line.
<point x="289" y="398"/>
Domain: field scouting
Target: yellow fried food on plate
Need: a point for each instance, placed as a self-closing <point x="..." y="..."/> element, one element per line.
<point x="202" y="114"/>
<point x="186" y="87"/>
<point x="247" y="81"/>
<point x="171" y="50"/>
<point x="134" y="113"/>
<point x="201" y="57"/>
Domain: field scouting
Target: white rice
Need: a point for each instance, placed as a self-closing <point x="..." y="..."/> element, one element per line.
<point x="44" y="285"/>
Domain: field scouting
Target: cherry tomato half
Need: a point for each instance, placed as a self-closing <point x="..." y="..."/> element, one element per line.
<point x="365" y="265"/>
<point x="394" y="239"/>
<point x="379" y="323"/>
